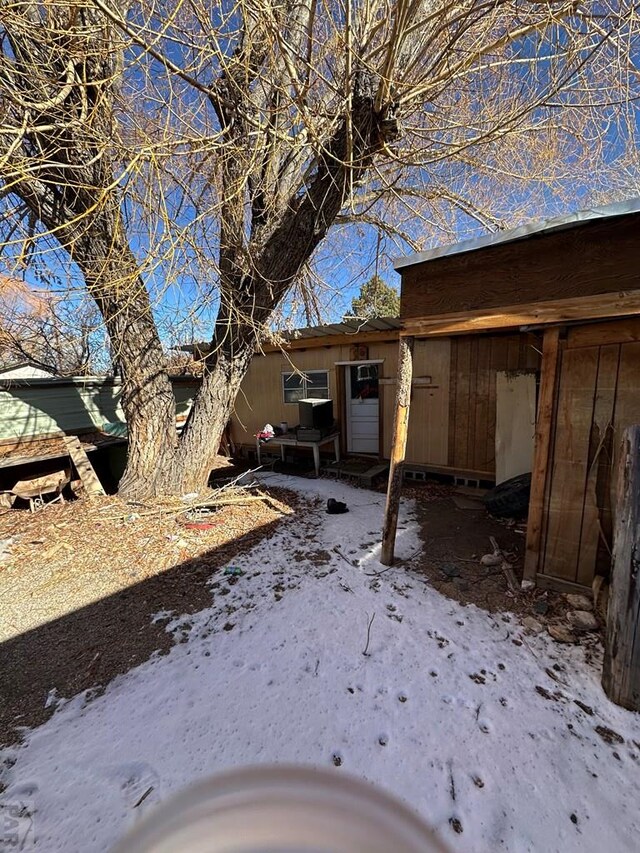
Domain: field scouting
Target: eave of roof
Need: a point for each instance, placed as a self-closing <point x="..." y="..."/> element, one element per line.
<point x="310" y="333"/>
<point x="557" y="223"/>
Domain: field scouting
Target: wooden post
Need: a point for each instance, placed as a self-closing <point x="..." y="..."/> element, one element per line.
<point x="621" y="674"/>
<point x="542" y="445"/>
<point x="398" y="448"/>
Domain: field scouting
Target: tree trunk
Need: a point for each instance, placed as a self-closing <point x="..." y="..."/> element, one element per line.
<point x="112" y="278"/>
<point x="189" y="469"/>
<point x="621" y="675"/>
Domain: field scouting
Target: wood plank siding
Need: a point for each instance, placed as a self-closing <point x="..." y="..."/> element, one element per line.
<point x="567" y="264"/>
<point x="598" y="396"/>
<point x="475" y="360"/>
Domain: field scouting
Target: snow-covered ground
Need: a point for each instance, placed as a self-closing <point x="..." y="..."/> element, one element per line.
<point x="443" y="711"/>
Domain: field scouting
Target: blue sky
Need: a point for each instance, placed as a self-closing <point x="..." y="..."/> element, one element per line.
<point x="184" y="293"/>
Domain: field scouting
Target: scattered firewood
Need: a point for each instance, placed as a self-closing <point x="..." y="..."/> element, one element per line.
<point x="497" y="558"/>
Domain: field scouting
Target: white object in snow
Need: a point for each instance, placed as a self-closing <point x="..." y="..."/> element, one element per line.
<point x="282" y="808"/>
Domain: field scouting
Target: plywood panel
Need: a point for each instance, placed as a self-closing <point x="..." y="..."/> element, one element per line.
<point x="570" y="459"/>
<point x="515" y="423"/>
<point x="427" y="440"/>
<point x="453" y="399"/>
<point x="471" y="405"/>
<point x="573" y="262"/>
<point x="498" y="360"/>
<point x="428" y="437"/>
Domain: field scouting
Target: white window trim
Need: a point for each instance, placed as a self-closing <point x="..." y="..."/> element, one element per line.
<point x="303" y="374"/>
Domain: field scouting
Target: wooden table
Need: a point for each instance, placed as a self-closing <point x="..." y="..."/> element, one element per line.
<point x="290" y="440"/>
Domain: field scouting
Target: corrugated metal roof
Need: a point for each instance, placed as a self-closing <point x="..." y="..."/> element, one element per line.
<point x="557" y="223"/>
<point x="347" y="327"/>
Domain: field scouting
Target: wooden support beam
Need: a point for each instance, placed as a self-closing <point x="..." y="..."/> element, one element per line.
<point x="600" y="334"/>
<point x="621" y="673"/>
<point x="527" y="314"/>
<point x="398" y="449"/>
<point x="542" y="445"/>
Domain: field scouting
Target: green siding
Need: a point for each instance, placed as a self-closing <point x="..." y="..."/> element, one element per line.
<point x="41" y="408"/>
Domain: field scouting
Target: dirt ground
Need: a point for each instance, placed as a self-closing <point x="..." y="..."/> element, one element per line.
<point x="80" y="583"/>
<point x="455" y="531"/>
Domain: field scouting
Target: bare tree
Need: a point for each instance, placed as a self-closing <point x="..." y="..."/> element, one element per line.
<point x="210" y="148"/>
<point x="61" y="336"/>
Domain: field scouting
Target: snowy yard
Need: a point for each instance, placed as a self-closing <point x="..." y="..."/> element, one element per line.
<point x="498" y="739"/>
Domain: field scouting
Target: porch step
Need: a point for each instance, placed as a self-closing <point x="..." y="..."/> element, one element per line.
<point x="355" y="469"/>
<point x="374" y="472"/>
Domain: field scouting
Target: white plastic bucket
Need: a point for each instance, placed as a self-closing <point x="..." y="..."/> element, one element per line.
<point x="281" y="810"/>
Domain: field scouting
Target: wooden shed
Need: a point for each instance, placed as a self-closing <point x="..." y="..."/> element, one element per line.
<point x="455" y="388"/>
<point x="570" y="288"/>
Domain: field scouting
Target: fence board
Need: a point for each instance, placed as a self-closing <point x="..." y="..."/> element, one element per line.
<point x="571" y="451"/>
<point x="596" y="498"/>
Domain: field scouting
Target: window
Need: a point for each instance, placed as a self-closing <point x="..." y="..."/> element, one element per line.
<point x="364" y="382"/>
<point x="312" y="383"/>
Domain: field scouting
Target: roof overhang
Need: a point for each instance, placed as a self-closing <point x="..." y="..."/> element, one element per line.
<point x="572" y="220"/>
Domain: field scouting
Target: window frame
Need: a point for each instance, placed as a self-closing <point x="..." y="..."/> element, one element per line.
<point x="303" y="374"/>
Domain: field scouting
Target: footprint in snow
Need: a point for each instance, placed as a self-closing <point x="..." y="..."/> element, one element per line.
<point x="485" y="726"/>
<point x="456" y="825"/>
<point x="383" y="740"/>
<point x="337" y="759"/>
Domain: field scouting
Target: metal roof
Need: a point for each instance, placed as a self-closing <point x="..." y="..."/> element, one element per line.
<point x="347" y="327"/>
<point x="557" y="223"/>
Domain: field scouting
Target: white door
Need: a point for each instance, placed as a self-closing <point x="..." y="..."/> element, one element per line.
<point x="362" y="408"/>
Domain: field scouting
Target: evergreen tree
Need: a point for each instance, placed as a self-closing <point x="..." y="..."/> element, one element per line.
<point x="376" y="299"/>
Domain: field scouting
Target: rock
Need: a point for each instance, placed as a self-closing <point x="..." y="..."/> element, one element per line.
<point x="532" y="626"/>
<point x="462" y="584"/>
<point x="582" y="620"/>
<point x="561" y="634"/>
<point x="579" y="602"/>
<point x="491" y="560"/>
<point x="450" y="571"/>
<point x="541" y="606"/>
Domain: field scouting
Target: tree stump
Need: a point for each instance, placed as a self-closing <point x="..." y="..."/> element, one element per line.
<point x="621" y="673"/>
